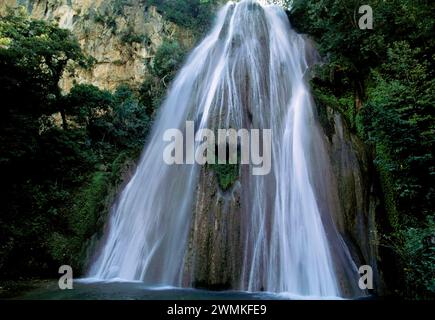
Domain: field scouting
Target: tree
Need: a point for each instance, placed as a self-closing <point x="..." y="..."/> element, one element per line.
<point x="193" y="14"/>
<point x="37" y="159"/>
<point x="87" y="103"/>
<point x="34" y="56"/>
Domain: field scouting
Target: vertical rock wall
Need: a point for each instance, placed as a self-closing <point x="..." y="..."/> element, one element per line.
<point x="355" y="177"/>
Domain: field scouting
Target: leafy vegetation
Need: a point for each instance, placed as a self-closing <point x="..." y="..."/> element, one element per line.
<point x="193" y="14"/>
<point x="167" y="60"/>
<point x="130" y="37"/>
<point x="226" y="174"/>
<point x="59" y="173"/>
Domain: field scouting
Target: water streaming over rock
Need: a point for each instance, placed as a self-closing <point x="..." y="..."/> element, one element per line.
<point x="249" y="72"/>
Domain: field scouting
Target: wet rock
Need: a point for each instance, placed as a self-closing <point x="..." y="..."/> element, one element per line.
<point x="357" y="220"/>
<point x="214" y="254"/>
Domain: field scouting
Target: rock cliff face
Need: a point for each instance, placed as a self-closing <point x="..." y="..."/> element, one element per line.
<point x="358" y="218"/>
<point x="215" y="247"/>
<point x="121" y="35"/>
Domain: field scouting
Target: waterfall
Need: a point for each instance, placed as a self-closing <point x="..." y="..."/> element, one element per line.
<point x="249" y="72"/>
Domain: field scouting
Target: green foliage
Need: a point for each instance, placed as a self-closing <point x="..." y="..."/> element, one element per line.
<point x="89" y="204"/>
<point x="89" y="210"/>
<point x="399" y="120"/>
<point x="87" y="103"/>
<point x="167" y="60"/>
<point x="88" y="207"/>
<point x="193" y="14"/>
<point x="129" y="122"/>
<point x="416" y="249"/>
<point x="226" y="174"/>
<point x="33" y="56"/>
<point x="118" y="6"/>
<point x="130" y="37"/>
<point x="107" y="20"/>
<point x="58" y="181"/>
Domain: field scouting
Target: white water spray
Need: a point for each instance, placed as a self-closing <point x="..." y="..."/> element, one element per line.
<point x="249" y="72"/>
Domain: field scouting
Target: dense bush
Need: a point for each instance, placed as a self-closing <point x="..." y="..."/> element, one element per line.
<point x="192" y="14"/>
<point x="58" y="173"/>
<point x="168" y="59"/>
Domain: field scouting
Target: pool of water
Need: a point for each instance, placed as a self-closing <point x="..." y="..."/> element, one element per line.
<point x="87" y="290"/>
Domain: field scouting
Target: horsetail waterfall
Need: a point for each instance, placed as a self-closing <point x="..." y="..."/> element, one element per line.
<point x="174" y="225"/>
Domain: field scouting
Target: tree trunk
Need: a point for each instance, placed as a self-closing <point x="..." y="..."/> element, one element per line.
<point x="64" y="121"/>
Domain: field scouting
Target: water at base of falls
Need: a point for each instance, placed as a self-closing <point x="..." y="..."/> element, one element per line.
<point x="249" y="72"/>
<point x="116" y="290"/>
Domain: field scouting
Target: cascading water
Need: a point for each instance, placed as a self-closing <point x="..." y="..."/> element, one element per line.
<point x="249" y="72"/>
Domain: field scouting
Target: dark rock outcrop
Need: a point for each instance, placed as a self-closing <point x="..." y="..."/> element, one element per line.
<point x="358" y="205"/>
<point x="214" y="252"/>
